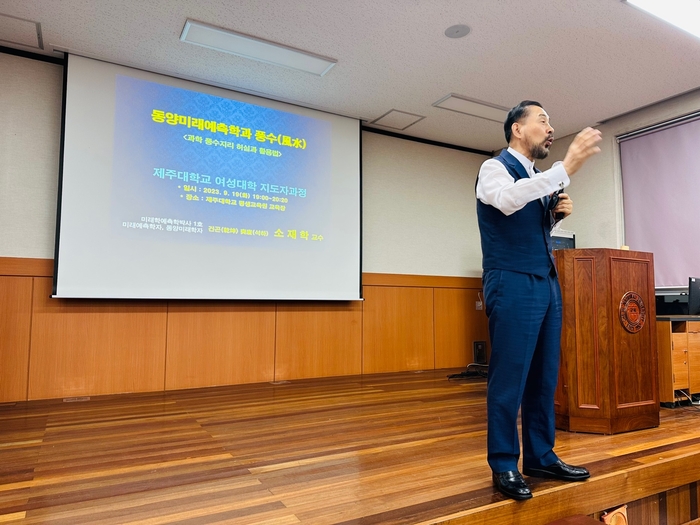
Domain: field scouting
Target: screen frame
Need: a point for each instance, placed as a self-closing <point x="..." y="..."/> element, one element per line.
<point x="65" y="64"/>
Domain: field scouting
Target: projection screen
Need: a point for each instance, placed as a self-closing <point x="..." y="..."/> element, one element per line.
<point x="176" y="190"/>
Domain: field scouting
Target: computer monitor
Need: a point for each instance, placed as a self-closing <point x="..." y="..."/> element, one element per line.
<point x="694" y="296"/>
<point x="563" y="239"/>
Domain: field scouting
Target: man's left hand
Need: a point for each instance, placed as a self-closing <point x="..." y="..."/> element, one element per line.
<point x="565" y="205"/>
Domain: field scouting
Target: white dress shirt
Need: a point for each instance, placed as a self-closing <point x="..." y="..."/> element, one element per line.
<point x="496" y="187"/>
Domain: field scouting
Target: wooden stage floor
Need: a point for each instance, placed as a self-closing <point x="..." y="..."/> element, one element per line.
<point x="390" y="448"/>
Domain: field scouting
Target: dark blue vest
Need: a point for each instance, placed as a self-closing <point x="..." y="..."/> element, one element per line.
<point x="519" y="242"/>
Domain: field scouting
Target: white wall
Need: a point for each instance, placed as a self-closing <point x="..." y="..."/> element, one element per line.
<point x="419" y="209"/>
<point x="30" y="106"/>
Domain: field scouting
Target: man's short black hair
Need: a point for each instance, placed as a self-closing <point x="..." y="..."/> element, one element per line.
<point x="515" y="114"/>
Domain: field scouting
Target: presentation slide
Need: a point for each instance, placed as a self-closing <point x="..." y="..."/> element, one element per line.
<point x="172" y="189"/>
<point x="218" y="170"/>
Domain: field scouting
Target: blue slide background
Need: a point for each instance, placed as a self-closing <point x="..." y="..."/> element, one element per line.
<point x="143" y="146"/>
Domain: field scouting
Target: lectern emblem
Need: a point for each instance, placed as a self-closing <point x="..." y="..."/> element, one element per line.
<point x="633" y="313"/>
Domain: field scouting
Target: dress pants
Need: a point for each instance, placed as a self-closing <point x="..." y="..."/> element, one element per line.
<point x="525" y="316"/>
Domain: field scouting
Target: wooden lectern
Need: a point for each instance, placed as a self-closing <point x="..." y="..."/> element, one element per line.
<point x="608" y="375"/>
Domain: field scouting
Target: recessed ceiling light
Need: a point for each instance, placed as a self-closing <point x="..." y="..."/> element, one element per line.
<point x="396" y="119"/>
<point x="19" y="31"/>
<point x="254" y="48"/>
<point x="684" y="14"/>
<point x="457" y="31"/>
<point x="473" y="107"/>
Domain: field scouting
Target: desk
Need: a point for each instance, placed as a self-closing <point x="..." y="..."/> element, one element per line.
<point x="678" y="338"/>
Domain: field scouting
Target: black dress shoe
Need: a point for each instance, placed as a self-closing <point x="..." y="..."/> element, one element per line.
<point x="512" y="484"/>
<point x="559" y="470"/>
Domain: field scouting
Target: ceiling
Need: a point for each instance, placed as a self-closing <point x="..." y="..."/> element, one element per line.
<point x="585" y="61"/>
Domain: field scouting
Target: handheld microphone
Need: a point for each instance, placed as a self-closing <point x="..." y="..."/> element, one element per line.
<point x="553" y="201"/>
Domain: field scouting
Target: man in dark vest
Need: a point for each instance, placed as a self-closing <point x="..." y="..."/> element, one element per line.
<point x="517" y="206"/>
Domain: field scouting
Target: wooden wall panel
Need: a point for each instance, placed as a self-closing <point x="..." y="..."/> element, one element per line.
<point x="318" y="340"/>
<point x="646" y="511"/>
<point x="26" y="267"/>
<point x="397" y="329"/>
<point x="694" y="495"/>
<point x="457" y="325"/>
<point x="15" y="324"/>
<point x="51" y="348"/>
<point x="224" y="343"/>
<point x="423" y="281"/>
<point x="91" y="347"/>
<point x="678" y="505"/>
